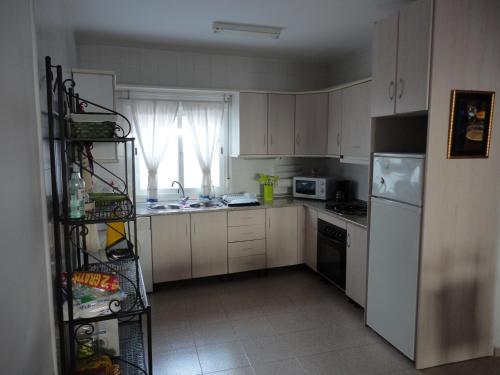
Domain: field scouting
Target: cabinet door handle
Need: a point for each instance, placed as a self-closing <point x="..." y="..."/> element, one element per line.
<point x="271" y="139"/>
<point x="297" y="139"/>
<point x="348" y="240"/>
<point x="391" y="90"/>
<point x="338" y="139"/>
<point x="194" y="229"/>
<point x="269" y="223"/>
<point x="401" y="86"/>
<point x="264" y="139"/>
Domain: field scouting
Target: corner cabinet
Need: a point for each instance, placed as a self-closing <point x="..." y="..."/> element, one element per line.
<point x="209" y="244"/>
<point x="281" y="236"/>
<point x="401" y="61"/>
<point x="311" y="124"/>
<point x="281" y="124"/>
<point x="311" y="238"/>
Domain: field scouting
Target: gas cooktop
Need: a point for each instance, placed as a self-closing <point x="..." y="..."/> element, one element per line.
<point x="355" y="208"/>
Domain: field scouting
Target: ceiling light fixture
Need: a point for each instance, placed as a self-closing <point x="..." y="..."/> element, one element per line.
<point x="244" y="29"/>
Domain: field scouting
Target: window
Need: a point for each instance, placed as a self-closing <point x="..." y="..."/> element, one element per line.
<point x="180" y="163"/>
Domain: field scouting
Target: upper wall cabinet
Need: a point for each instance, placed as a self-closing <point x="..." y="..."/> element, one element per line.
<point x="253" y="124"/>
<point x="267" y="123"/>
<point x="281" y="124"/>
<point x="400" y="71"/>
<point x="311" y="124"/>
<point x="334" y="122"/>
<point x="356" y="121"/>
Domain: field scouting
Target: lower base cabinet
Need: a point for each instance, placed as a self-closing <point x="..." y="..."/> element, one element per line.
<point x="171" y="245"/>
<point x="282" y="236"/>
<point x="311" y="238"/>
<point x="357" y="244"/>
<point x="209" y="244"/>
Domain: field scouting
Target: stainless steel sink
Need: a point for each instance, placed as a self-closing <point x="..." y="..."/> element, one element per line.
<point x="189" y="205"/>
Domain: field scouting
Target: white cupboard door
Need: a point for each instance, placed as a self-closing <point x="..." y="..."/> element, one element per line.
<point x="334" y="122"/>
<point x="281" y="124"/>
<point x="356" y="121"/>
<point x="311" y="240"/>
<point x="253" y="124"/>
<point x="171" y="248"/>
<point x="209" y="243"/>
<point x="311" y="124"/>
<point x="384" y="57"/>
<point x="413" y="57"/>
<point x="357" y="244"/>
<point x="281" y="236"/>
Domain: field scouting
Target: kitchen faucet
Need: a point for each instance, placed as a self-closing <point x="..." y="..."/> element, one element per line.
<point x="183" y="199"/>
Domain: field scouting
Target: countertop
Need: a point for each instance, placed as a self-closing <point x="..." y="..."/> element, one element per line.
<point x="142" y="209"/>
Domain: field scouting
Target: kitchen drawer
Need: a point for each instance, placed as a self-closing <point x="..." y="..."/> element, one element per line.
<point x="242" y="264"/>
<point x="246" y="233"/>
<point x="246" y="217"/>
<point x="246" y="248"/>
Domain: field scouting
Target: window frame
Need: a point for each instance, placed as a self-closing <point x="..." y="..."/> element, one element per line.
<point x="173" y="193"/>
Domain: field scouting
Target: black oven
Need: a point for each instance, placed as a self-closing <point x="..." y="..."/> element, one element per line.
<point x="332" y="253"/>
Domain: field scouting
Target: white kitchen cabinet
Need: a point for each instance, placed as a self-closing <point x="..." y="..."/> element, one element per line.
<point x="311" y="124"/>
<point x="356" y="121"/>
<point x="281" y="236"/>
<point x="357" y="245"/>
<point x="209" y="243"/>
<point x="334" y="122"/>
<point x="413" y="57"/>
<point x="384" y="61"/>
<point x="98" y="87"/>
<point x="311" y="238"/>
<point x="253" y="124"/>
<point x="400" y="63"/>
<point x="171" y="240"/>
<point x="281" y="124"/>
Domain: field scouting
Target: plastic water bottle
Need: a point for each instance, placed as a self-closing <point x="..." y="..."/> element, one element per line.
<point x="76" y="195"/>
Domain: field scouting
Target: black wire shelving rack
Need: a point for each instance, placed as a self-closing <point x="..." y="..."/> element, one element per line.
<point x="132" y="310"/>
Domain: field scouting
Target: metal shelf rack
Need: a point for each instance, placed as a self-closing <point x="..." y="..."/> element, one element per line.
<point x="133" y="311"/>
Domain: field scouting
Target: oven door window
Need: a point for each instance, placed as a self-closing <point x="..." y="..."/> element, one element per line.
<point x="305" y="187"/>
<point x="332" y="260"/>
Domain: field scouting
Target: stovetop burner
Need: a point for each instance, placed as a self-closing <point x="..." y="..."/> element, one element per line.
<point x="355" y="208"/>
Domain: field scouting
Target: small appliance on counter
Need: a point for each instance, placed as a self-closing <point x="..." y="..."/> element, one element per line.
<point x="240" y="200"/>
<point x="342" y="190"/>
<point x="313" y="187"/>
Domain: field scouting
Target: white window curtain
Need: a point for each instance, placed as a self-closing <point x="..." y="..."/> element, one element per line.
<point x="154" y="124"/>
<point x="205" y="122"/>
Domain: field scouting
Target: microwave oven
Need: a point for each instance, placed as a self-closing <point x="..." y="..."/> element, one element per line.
<point x="313" y="187"/>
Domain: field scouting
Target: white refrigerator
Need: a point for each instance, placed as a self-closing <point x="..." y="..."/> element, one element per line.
<point x="394" y="248"/>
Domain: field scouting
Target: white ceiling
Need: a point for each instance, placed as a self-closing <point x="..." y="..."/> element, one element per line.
<point x="313" y="29"/>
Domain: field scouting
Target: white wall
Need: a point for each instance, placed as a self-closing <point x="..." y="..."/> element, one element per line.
<point x="356" y="173"/>
<point x="171" y="68"/>
<point x="27" y="324"/>
<point x="351" y="67"/>
<point x="496" y="320"/>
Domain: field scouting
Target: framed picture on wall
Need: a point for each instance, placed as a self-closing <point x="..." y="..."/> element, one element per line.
<point x="471" y="122"/>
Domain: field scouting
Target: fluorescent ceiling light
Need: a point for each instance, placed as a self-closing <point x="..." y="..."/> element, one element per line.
<point x="243" y="29"/>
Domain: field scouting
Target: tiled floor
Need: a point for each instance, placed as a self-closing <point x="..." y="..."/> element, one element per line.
<point x="287" y="322"/>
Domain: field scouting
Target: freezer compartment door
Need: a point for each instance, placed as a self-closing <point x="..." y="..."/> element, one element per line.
<point x="398" y="178"/>
<point x="393" y="272"/>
